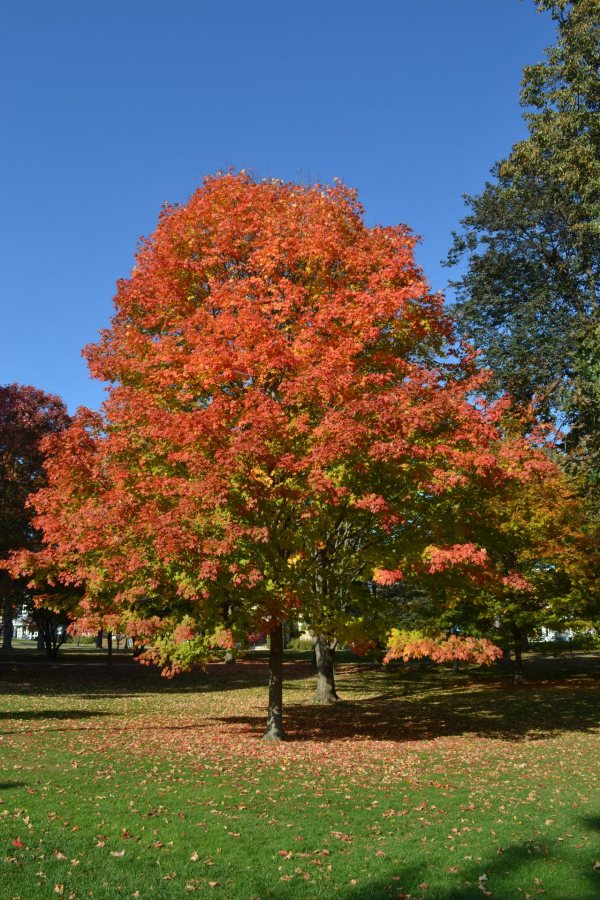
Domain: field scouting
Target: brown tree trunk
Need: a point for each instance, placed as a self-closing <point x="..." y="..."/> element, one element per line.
<point x="518" y="647"/>
<point x="109" y="645"/>
<point x="99" y="637"/>
<point x="7" y="610"/>
<point x="275" y="730"/>
<point x="7" y="623"/>
<point x="325" y="690"/>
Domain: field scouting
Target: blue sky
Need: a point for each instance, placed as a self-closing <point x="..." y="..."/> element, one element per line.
<point x="110" y="109"/>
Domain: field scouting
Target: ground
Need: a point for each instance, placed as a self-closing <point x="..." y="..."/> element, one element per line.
<point x="420" y="784"/>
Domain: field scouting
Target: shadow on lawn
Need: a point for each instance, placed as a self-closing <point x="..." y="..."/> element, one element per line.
<point x="51" y="714"/>
<point x="430" y="711"/>
<point x="393" y="704"/>
<point x="33" y="715"/>
<point x="505" y="875"/>
<point x="129" y="678"/>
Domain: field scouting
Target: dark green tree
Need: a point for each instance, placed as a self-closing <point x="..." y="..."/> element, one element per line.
<point x="529" y="297"/>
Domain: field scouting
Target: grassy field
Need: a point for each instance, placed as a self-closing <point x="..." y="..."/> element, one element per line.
<point x="419" y="784"/>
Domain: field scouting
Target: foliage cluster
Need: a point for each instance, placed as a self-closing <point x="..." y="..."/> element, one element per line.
<point x="530" y="297"/>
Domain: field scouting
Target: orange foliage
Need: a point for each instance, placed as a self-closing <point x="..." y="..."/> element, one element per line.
<point x="408" y="645"/>
<point x="287" y="412"/>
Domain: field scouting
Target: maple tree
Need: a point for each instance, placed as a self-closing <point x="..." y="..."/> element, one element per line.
<point x="544" y="553"/>
<point x="288" y="419"/>
<point x="27" y="414"/>
<point x="540" y="564"/>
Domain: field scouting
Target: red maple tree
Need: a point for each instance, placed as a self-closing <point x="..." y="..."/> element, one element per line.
<point x="27" y="415"/>
<point x="287" y="416"/>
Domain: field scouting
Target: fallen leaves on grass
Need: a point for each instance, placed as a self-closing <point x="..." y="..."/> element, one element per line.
<point x="342" y="836"/>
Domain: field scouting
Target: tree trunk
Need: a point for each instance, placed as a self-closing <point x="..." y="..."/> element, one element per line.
<point x="99" y="637"/>
<point x="274" y="730"/>
<point x="229" y="658"/>
<point x="49" y="639"/>
<point x="109" y="645"/>
<point x="325" y="690"/>
<point x="7" y="612"/>
<point x="48" y="643"/>
<point x="518" y="647"/>
<point x="7" y="625"/>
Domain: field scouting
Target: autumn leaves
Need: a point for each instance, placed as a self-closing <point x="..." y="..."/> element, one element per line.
<point x="288" y="422"/>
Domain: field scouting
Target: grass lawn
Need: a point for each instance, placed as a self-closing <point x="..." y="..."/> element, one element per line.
<point x="420" y="784"/>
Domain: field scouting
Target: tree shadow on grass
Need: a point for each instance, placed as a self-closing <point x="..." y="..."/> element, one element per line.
<point x="380" y="704"/>
<point x="525" y="714"/>
<point x="591" y="823"/>
<point x="9" y="785"/>
<point x="33" y="715"/>
<point x="51" y="714"/>
<point x="130" y="679"/>
<point x="524" y="868"/>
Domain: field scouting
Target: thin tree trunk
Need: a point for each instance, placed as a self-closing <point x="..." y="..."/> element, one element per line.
<point x="7" y="612"/>
<point x="109" y="644"/>
<point x="518" y="647"/>
<point x="49" y="639"/>
<point x="99" y="637"/>
<point x="7" y="625"/>
<point x="274" y="730"/>
<point x="229" y="658"/>
<point x="325" y="690"/>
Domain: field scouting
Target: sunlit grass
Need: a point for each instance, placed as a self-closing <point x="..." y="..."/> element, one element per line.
<point x="420" y="783"/>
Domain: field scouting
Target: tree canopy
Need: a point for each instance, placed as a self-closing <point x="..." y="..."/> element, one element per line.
<point x="529" y="299"/>
<point x="27" y="415"/>
<point x="288" y="418"/>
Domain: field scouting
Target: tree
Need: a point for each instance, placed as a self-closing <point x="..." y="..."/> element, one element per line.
<point x="26" y="416"/>
<point x="585" y="450"/>
<point x="52" y="629"/>
<point x="530" y="296"/>
<point x="287" y="417"/>
<point x="540" y="566"/>
<point x="546" y="558"/>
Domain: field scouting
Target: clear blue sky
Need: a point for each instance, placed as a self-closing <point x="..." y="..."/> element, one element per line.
<point x="109" y="109"/>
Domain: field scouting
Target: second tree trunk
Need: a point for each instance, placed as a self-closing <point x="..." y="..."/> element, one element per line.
<point x="325" y="691"/>
<point x="274" y="730"/>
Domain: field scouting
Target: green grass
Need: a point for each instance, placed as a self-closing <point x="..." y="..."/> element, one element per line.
<point x="421" y="783"/>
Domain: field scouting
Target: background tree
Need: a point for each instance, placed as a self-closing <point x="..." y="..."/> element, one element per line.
<point x="529" y="298"/>
<point x="27" y="415"/>
<point x="546" y="557"/>
<point x="540" y="568"/>
<point x="287" y="416"/>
